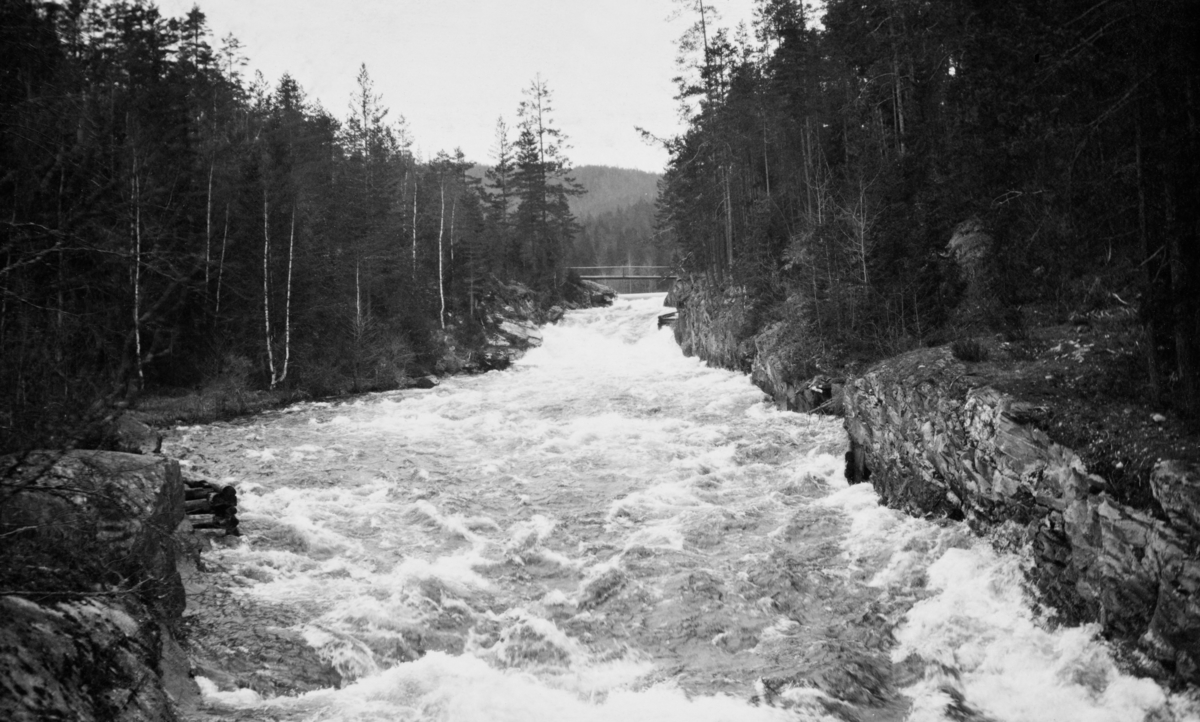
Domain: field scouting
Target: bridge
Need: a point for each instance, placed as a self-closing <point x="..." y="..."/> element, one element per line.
<point x="629" y="279"/>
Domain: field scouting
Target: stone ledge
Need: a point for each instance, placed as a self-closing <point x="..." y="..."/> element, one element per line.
<point x="937" y="442"/>
<point x="104" y="520"/>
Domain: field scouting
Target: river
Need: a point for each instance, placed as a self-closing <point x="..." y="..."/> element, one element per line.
<point x="610" y="531"/>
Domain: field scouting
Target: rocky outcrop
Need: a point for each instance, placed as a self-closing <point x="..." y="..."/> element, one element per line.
<point x="934" y="440"/>
<point x="121" y="508"/>
<point x="90" y="534"/>
<point x="778" y="370"/>
<point x="581" y="293"/>
<point x="709" y="323"/>
<point x="93" y="659"/>
<point x="508" y="340"/>
<point x="713" y="324"/>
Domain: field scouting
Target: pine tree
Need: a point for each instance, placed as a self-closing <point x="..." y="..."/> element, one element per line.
<point x="543" y="223"/>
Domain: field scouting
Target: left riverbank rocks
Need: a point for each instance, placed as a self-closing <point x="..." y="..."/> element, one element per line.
<point x="510" y="315"/>
<point x="90" y="659"/>
<point x="93" y="592"/>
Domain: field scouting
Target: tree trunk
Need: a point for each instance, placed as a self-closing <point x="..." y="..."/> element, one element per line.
<point x="208" y="228"/>
<point x="267" y="285"/>
<point x="441" y="283"/>
<point x="728" y="223"/>
<point x="414" y="233"/>
<point x="1184" y="356"/>
<point x="287" y="307"/>
<point x="1149" y="305"/>
<point x="221" y="267"/>
<point x="137" y="274"/>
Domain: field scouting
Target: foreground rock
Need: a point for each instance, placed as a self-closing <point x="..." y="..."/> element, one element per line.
<point x="87" y="541"/>
<point x="94" y="659"/>
<point x="933" y="440"/>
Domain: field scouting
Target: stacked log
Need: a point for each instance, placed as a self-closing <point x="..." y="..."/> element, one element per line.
<point x="211" y="506"/>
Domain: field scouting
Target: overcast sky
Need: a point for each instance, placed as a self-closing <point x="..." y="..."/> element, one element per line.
<point x="451" y="67"/>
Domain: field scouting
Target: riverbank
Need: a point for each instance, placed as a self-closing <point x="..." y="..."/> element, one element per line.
<point x="506" y="327"/>
<point x="1041" y="443"/>
<point x="104" y="586"/>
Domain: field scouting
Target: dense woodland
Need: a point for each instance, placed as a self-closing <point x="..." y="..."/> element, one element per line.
<point x="827" y="163"/>
<point x="167" y="223"/>
<point x="616" y="218"/>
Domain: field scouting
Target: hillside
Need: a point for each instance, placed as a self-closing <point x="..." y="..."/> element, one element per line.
<point x="616" y="218"/>
<point x="611" y="189"/>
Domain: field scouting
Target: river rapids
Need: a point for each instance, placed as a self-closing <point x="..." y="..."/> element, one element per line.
<point x="610" y="531"/>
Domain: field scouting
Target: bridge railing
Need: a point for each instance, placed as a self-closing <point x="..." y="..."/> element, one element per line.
<point x="628" y="278"/>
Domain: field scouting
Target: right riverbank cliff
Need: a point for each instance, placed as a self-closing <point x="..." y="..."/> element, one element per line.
<point x="1029" y="442"/>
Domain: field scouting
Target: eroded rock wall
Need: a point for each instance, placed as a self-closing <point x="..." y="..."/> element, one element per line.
<point x="933" y="440"/>
<point x="104" y="652"/>
<point x="936" y="441"/>
<point x="709" y="322"/>
<point x="714" y="325"/>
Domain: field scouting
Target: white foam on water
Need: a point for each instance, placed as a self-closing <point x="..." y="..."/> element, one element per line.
<point x="602" y="467"/>
<point x="439" y="687"/>
<point x="1010" y="664"/>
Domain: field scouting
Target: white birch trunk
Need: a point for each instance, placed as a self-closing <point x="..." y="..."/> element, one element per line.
<point x="414" y="231"/>
<point x="267" y="286"/>
<point x="287" y="307"/>
<point x="208" y="227"/>
<point x="137" y="273"/>
<point x="221" y="266"/>
<point x="441" y="285"/>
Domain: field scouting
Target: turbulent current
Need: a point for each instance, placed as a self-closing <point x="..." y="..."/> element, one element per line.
<point x="612" y="531"/>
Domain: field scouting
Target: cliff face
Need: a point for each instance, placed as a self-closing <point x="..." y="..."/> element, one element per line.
<point x="708" y="323"/>
<point x="935" y="440"/>
<point x="712" y="325"/>
<point x="104" y="520"/>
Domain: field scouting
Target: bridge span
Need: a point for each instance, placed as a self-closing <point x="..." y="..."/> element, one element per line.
<point x="629" y="279"/>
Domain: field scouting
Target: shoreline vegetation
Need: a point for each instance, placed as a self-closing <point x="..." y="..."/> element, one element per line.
<point x="888" y="176"/>
<point x="170" y="224"/>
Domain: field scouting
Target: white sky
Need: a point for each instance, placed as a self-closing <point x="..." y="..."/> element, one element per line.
<point x="451" y="67"/>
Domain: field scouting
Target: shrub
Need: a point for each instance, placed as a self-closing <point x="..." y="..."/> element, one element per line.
<point x="969" y="350"/>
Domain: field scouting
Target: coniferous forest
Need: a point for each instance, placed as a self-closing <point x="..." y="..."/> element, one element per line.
<point x="168" y="223"/>
<point x="829" y="158"/>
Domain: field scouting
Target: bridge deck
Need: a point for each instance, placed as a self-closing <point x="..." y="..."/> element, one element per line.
<point x="630" y="279"/>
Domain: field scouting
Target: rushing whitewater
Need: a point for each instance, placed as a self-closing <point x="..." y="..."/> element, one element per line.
<point x="611" y="531"/>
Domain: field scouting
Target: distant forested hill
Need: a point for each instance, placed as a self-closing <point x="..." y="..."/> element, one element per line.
<point x="610" y="189"/>
<point x="616" y="218"/>
<point x="615" y="215"/>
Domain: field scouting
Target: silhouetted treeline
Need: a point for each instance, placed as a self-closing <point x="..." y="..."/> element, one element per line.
<point x="165" y="222"/>
<point x="610" y="189"/>
<point x="826" y="166"/>
<point x="621" y="236"/>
